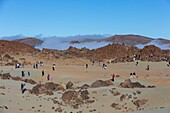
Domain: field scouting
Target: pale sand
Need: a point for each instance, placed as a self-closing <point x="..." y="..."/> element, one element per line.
<point x="159" y="75"/>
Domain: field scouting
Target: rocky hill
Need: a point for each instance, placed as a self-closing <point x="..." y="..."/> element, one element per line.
<point x="112" y="52"/>
<point x="15" y="47"/>
<point x="31" y="41"/>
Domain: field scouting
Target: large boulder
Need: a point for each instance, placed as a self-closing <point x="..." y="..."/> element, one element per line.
<point x="101" y="83"/>
<point x="46" y="88"/>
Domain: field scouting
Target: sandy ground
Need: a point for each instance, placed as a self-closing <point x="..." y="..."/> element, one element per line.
<point x="158" y="98"/>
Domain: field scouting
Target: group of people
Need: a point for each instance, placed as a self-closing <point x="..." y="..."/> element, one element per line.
<point x="133" y="75"/>
<point x="23" y="73"/>
<point x="35" y="66"/>
<point x="48" y="76"/>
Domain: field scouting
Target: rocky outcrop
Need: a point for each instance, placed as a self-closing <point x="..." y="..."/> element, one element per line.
<point x="5" y="76"/>
<point x="128" y="84"/>
<point x="76" y="98"/>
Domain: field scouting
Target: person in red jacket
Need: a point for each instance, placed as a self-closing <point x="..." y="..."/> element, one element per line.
<point x="48" y="77"/>
<point x="113" y="77"/>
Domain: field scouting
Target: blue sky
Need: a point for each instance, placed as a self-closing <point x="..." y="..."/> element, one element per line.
<point x="72" y="17"/>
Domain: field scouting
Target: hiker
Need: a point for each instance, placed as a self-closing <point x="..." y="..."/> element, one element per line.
<point x="36" y="66"/>
<point x="86" y="66"/>
<point x="17" y="65"/>
<point x="53" y="67"/>
<point x="147" y="68"/>
<point x="105" y="67"/>
<point x="131" y="75"/>
<point x="92" y="62"/>
<point x="22" y="88"/>
<point x="113" y="77"/>
<point x="22" y="73"/>
<point x="48" y="77"/>
<point x="43" y="73"/>
<point x="134" y="74"/>
<point x="29" y="73"/>
<point x="168" y="64"/>
<point x="137" y="63"/>
<point x="41" y="63"/>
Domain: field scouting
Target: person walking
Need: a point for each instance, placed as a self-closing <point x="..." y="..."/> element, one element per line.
<point x="86" y="66"/>
<point x="22" y="88"/>
<point x="113" y="77"/>
<point x="29" y="73"/>
<point x="53" y="67"/>
<point x="48" y="77"/>
<point x="43" y="73"/>
<point x="22" y="73"/>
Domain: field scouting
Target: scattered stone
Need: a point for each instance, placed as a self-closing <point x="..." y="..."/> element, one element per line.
<point x="139" y="103"/>
<point x="116" y="93"/>
<point x="84" y="94"/>
<point x="69" y="85"/>
<point x="134" y="98"/>
<point x="117" y="75"/>
<point x="138" y="92"/>
<point x="90" y="101"/>
<point x="123" y="97"/>
<point x="92" y="110"/>
<point x="59" y="109"/>
<point x="114" y="105"/>
<point x="30" y="81"/>
<point x="85" y="86"/>
<point x="2" y="93"/>
<point x="130" y="96"/>
<point x="151" y="86"/>
<point x="4" y="107"/>
<point x="20" y="109"/>
<point x="95" y="92"/>
<point x="2" y="87"/>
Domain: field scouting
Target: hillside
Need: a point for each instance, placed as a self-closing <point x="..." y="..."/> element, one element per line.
<point x="15" y="47"/>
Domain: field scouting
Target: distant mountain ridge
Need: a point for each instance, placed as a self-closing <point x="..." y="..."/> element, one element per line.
<point x="130" y="40"/>
<point x="54" y="42"/>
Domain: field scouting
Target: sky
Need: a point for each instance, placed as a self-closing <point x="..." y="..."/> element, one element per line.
<point x="72" y="17"/>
